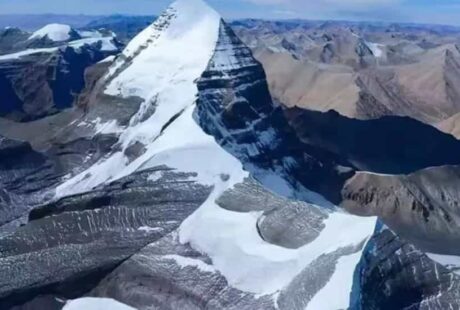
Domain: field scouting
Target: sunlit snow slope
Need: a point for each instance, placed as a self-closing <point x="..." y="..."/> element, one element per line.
<point x="54" y="32"/>
<point x="159" y="66"/>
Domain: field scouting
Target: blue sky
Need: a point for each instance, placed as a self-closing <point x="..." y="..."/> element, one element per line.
<point x="425" y="11"/>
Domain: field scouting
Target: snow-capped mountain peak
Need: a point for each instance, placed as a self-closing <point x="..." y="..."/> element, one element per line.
<point x="54" y="32"/>
<point x="159" y="68"/>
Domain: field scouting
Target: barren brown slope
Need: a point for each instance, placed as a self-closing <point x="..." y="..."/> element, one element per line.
<point x="451" y="125"/>
<point x="415" y="75"/>
<point x="310" y="85"/>
<point x="433" y="83"/>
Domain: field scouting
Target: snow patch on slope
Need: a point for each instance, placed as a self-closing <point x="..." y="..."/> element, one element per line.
<point x="264" y="268"/>
<point x="185" y="262"/>
<point x="107" y="45"/>
<point x="54" y="32"/>
<point x="451" y="262"/>
<point x="108" y="59"/>
<point x="339" y="286"/>
<point x="90" y="303"/>
<point x="90" y="34"/>
<point x="27" y="52"/>
<point x="376" y="49"/>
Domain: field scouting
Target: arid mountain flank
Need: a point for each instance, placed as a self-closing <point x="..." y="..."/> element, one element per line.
<point x="360" y="72"/>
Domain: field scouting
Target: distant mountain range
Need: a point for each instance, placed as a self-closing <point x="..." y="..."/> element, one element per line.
<point x="35" y="21"/>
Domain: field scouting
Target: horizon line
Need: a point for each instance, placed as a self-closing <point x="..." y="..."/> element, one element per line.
<point x="381" y="22"/>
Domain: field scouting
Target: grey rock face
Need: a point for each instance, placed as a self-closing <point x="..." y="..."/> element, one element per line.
<point x="394" y="274"/>
<point x="286" y="223"/>
<point x="292" y="226"/>
<point x="169" y="275"/>
<point x="10" y="37"/>
<point x="312" y="279"/>
<point x="89" y="234"/>
<point x="234" y="105"/>
<point x="41" y="84"/>
<point x="423" y="207"/>
<point x="24" y="177"/>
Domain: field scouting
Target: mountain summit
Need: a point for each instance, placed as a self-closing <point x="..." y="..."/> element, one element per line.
<point x="56" y="33"/>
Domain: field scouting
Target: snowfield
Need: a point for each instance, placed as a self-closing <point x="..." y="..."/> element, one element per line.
<point x="27" y="52"/>
<point x="376" y="49"/>
<point x="451" y="262"/>
<point x="54" y="32"/>
<point x="96" y="304"/>
<point x="107" y="45"/>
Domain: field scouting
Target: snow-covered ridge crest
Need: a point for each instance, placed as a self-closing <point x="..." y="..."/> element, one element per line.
<point x="178" y="19"/>
<point x="107" y="45"/>
<point x="54" y="32"/>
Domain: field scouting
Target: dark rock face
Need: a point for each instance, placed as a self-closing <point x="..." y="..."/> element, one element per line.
<point x="24" y="177"/>
<point x="10" y="38"/>
<point x="68" y="245"/>
<point x="37" y="85"/>
<point x="423" y="207"/>
<point x="28" y="177"/>
<point x="286" y="223"/>
<point x="394" y="274"/>
<point x="169" y="275"/>
<point x="235" y="106"/>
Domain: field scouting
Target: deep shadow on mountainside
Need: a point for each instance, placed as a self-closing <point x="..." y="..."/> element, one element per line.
<point x="390" y="145"/>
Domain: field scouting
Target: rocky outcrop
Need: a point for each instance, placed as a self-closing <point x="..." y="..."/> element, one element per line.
<point x="422" y="207"/>
<point x="286" y="223"/>
<point x="25" y="176"/>
<point x="9" y="39"/>
<point x="68" y="245"/>
<point x="170" y="275"/>
<point x="47" y="80"/>
<point x="394" y="274"/>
